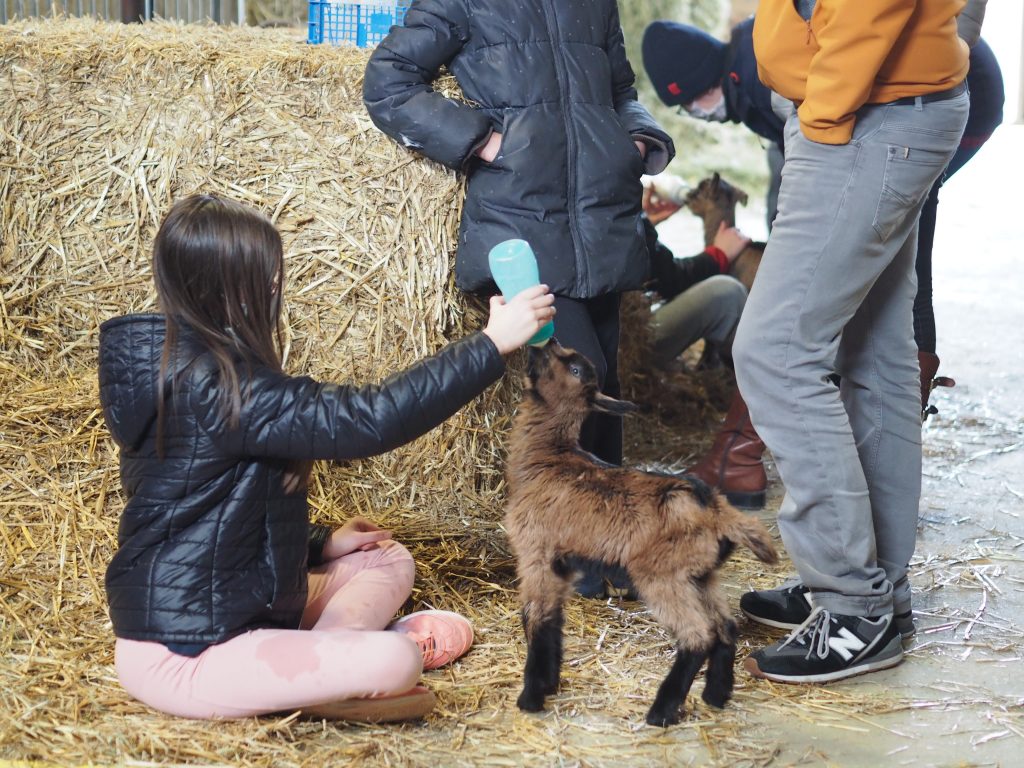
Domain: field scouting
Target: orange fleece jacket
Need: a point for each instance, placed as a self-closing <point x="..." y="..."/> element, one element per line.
<point x="856" y="52"/>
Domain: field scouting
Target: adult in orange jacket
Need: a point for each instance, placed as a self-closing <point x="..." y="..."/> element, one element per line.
<point x="876" y="103"/>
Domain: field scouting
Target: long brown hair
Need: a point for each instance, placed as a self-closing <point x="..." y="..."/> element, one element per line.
<point x="218" y="267"/>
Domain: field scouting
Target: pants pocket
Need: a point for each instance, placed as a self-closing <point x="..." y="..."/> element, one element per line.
<point x="909" y="174"/>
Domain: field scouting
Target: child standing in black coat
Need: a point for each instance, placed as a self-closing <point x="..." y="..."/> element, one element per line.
<point x="554" y="144"/>
<point x="224" y="601"/>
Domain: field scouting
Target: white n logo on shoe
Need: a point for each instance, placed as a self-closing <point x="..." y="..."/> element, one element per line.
<point x="846" y="644"/>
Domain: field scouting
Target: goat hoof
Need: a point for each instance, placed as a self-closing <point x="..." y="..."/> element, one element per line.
<point x="530" y="702"/>
<point x="663" y="719"/>
<point x="716" y="699"/>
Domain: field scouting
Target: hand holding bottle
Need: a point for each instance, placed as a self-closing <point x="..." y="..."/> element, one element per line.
<point x="513" y="323"/>
<point x="514" y="268"/>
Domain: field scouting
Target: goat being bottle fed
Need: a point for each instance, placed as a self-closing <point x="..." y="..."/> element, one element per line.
<point x="514" y="268"/>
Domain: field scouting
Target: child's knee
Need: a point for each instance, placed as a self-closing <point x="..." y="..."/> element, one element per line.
<point x="398" y="559"/>
<point x="730" y="292"/>
<point x="402" y="661"/>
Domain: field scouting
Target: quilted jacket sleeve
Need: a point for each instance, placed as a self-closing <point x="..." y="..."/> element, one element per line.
<point x="397" y="88"/>
<point x="633" y="114"/>
<point x="297" y="418"/>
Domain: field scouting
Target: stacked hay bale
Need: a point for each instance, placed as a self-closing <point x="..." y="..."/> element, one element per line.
<point x="107" y="125"/>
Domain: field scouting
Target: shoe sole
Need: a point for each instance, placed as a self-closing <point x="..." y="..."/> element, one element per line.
<point x="407" y="706"/>
<point x="743" y="500"/>
<point x="895" y="646"/>
<point x="769" y="622"/>
<point x="904" y="634"/>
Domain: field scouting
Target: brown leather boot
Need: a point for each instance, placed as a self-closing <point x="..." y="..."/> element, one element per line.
<point x="929" y="365"/>
<point x="733" y="465"/>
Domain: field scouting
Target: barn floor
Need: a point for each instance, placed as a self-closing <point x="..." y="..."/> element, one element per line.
<point x="957" y="700"/>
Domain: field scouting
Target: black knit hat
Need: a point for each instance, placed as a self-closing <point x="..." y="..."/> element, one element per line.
<point x="682" y="61"/>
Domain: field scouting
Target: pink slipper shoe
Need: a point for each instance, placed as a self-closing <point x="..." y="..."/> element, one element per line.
<point x="442" y="636"/>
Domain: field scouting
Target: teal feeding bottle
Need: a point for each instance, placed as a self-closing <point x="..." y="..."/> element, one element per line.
<point x="514" y="268"/>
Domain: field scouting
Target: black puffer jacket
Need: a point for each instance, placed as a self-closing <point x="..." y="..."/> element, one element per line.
<point x="209" y="545"/>
<point x="552" y="77"/>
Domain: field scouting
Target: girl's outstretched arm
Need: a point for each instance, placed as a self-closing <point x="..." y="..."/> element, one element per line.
<point x="294" y="418"/>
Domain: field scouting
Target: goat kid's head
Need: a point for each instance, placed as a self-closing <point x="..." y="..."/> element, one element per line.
<point x="566" y="382"/>
<point x="714" y="194"/>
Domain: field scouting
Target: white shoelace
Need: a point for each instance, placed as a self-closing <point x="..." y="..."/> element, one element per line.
<point x="816" y="630"/>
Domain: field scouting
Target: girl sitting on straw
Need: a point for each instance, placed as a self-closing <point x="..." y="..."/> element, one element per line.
<point x="224" y="600"/>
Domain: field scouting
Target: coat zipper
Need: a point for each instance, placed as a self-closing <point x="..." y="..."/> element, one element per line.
<point x="582" y="273"/>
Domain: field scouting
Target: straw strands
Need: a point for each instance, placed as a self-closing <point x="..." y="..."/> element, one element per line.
<point x="101" y="127"/>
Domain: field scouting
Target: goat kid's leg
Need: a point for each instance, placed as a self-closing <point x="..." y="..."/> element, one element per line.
<point x="543" y="658"/>
<point x="720" y="677"/>
<point x="544" y="592"/>
<point x="678" y="603"/>
<point x="667" y="708"/>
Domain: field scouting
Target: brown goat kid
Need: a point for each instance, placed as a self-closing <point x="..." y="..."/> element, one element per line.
<point x="670" y="534"/>
<point x="714" y="201"/>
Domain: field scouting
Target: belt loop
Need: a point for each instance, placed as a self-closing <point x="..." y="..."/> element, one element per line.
<point x="918" y="104"/>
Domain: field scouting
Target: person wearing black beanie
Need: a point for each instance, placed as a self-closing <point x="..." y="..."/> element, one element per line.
<point x="709" y="79"/>
<point x="715" y="81"/>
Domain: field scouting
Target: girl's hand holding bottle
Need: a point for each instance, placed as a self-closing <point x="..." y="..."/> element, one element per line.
<point x="513" y="323"/>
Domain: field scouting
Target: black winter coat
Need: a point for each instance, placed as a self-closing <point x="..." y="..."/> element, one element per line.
<point x="209" y="544"/>
<point x="747" y="99"/>
<point x="552" y="77"/>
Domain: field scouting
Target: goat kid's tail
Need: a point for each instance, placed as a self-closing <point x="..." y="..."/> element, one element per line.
<point x="746" y="530"/>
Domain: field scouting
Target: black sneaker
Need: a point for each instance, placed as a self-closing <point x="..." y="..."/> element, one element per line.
<point x="789" y="607"/>
<point x="600" y="581"/>
<point x="829" y="647"/>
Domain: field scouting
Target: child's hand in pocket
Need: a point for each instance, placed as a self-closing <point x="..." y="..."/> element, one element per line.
<point x="490" y="149"/>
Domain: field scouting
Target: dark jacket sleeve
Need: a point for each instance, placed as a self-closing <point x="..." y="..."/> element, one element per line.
<point x="671" y="276"/>
<point x="634" y="116"/>
<point x="397" y="88"/>
<point x="318" y="536"/>
<point x="292" y="418"/>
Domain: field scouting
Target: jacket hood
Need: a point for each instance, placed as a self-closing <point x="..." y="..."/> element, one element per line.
<point x="129" y="364"/>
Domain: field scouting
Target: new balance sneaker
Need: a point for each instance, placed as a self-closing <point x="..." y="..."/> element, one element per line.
<point x="442" y="636"/>
<point x="788" y="607"/>
<point x="829" y="647"/>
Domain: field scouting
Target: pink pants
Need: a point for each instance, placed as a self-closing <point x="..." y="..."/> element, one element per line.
<point x="340" y="651"/>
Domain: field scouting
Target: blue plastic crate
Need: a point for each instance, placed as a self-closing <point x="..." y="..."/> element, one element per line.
<point x="362" y="24"/>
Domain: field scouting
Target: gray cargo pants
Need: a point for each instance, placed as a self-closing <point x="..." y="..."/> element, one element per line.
<point x="834" y="294"/>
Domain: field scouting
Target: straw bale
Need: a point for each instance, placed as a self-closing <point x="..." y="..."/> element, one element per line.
<point x="105" y="126"/>
<point x="100" y="128"/>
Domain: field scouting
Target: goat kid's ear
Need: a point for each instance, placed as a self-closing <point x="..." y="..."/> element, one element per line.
<point x="605" y="404"/>
<point x="741" y="197"/>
